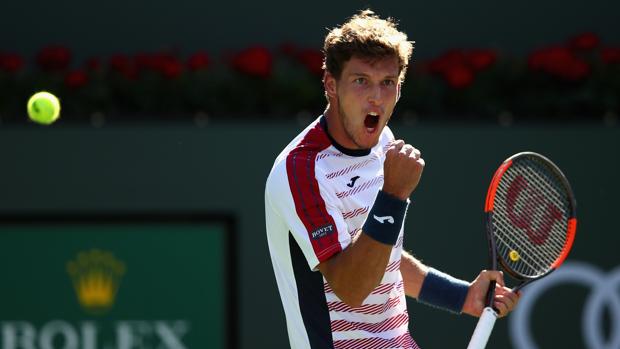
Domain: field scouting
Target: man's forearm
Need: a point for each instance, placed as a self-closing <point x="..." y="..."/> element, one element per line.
<point x="356" y="271"/>
<point x="413" y="272"/>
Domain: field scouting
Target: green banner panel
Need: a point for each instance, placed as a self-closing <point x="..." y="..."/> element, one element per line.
<point x="115" y="282"/>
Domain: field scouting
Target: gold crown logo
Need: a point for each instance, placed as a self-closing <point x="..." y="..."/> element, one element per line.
<point x="96" y="276"/>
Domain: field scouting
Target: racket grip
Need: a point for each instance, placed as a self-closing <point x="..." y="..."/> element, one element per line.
<point x="483" y="329"/>
<point x="488" y="301"/>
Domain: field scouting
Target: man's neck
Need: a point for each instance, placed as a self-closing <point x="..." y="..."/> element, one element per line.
<point x="332" y="121"/>
<point x="336" y="129"/>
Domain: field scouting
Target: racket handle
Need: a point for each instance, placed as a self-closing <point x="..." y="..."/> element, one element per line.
<point x="483" y="329"/>
<point x="490" y="294"/>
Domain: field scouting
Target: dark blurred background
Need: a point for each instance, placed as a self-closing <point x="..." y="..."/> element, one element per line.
<point x="178" y="109"/>
<point x="482" y="60"/>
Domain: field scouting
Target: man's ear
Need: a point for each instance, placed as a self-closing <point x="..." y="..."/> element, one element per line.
<point x="398" y="88"/>
<point x="329" y="83"/>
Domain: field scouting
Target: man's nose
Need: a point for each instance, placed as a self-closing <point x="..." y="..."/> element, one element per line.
<point x="374" y="95"/>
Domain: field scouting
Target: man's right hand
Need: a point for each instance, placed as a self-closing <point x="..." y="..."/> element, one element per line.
<point x="402" y="169"/>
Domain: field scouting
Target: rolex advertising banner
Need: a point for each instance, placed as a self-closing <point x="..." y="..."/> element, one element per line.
<point x="115" y="282"/>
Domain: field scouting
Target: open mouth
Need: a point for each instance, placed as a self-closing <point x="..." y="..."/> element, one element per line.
<point x="371" y="121"/>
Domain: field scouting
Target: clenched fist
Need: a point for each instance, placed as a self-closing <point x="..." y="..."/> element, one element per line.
<point x="402" y="169"/>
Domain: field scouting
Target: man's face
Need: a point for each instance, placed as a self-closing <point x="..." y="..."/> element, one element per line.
<point x="364" y="96"/>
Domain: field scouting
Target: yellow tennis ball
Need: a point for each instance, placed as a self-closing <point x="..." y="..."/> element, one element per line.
<point x="514" y="255"/>
<point x="43" y="108"/>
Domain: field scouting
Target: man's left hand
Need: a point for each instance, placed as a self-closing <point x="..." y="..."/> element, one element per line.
<point x="504" y="301"/>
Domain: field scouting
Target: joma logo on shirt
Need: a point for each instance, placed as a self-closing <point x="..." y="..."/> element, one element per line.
<point x="322" y="231"/>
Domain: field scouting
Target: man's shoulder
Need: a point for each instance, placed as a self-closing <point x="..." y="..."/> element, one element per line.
<point x="306" y="146"/>
<point x="308" y="143"/>
<point x="387" y="135"/>
<point x="385" y="139"/>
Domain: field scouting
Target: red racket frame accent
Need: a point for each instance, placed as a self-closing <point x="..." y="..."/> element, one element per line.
<point x="571" y="230"/>
<point x="488" y="206"/>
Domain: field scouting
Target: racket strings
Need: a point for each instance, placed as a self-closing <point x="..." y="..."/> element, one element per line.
<point x="546" y="182"/>
<point x="524" y="265"/>
<point x="529" y="261"/>
<point x="516" y="240"/>
<point x="556" y="237"/>
<point x="530" y="217"/>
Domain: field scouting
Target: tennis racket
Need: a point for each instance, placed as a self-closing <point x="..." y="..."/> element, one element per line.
<point x="530" y="222"/>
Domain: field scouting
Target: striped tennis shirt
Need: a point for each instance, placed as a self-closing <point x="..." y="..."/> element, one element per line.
<point x="317" y="197"/>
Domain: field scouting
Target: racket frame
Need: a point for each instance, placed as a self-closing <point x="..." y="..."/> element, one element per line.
<point x="489" y="314"/>
<point x="489" y="206"/>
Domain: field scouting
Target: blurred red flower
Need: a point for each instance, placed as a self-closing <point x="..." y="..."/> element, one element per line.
<point x="610" y="55"/>
<point x="162" y="62"/>
<point x="93" y="63"/>
<point x="171" y="68"/>
<point x="576" y="69"/>
<point x="545" y="58"/>
<point x="143" y="61"/>
<point x="198" y="61"/>
<point x="446" y="61"/>
<point x="458" y="76"/>
<point x="11" y="62"/>
<point x="151" y="61"/>
<point x="121" y="64"/>
<point x="584" y="41"/>
<point x="254" y="61"/>
<point x="312" y="60"/>
<point x="76" y="79"/>
<point x="288" y="48"/>
<point x="458" y="67"/>
<point x="480" y="59"/>
<point x="118" y="62"/>
<point x="54" y="58"/>
<point x="560" y="62"/>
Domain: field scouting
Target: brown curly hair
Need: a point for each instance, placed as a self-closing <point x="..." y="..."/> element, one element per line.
<point x="366" y="35"/>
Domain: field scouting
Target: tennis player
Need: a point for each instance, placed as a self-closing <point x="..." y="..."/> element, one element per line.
<point x="336" y="201"/>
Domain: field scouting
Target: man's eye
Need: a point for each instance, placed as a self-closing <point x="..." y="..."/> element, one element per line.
<point x="360" y="81"/>
<point x="389" y="82"/>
